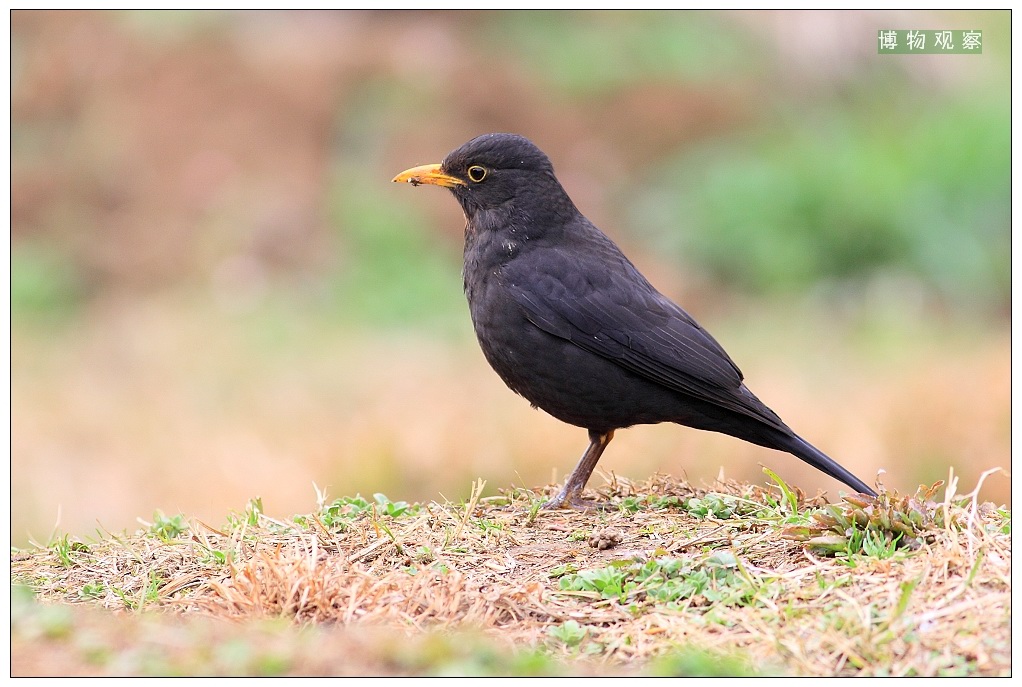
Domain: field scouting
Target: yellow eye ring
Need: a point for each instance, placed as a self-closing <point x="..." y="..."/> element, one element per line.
<point x="476" y="173"/>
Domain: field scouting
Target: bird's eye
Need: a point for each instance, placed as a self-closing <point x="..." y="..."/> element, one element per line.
<point x="476" y="173"/>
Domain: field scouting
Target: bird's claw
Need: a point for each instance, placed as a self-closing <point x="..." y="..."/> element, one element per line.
<point x="573" y="502"/>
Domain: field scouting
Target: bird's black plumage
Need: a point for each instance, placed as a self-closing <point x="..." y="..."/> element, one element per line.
<point x="568" y="322"/>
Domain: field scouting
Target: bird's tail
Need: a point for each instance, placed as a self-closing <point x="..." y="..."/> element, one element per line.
<point x="804" y="451"/>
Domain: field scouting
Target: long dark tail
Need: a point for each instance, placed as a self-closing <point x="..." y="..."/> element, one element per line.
<point x="757" y="423"/>
<point x="803" y="450"/>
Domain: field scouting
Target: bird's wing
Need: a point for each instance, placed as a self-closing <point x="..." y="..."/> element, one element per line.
<point x="608" y="308"/>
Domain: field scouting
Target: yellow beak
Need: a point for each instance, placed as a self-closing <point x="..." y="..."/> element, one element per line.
<point x="428" y="174"/>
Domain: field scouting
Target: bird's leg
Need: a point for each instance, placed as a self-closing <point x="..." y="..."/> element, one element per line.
<point x="570" y="495"/>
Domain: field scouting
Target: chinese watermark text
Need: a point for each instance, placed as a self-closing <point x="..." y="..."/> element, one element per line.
<point x="928" y="42"/>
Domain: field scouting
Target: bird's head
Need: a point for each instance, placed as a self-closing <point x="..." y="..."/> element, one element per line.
<point x="494" y="171"/>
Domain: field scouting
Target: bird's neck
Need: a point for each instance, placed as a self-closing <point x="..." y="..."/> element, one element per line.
<point x="499" y="234"/>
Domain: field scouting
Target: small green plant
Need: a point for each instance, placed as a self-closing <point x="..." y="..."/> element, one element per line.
<point x="633" y="504"/>
<point x="612" y="582"/>
<point x="148" y="593"/>
<point x="487" y="526"/>
<point x="668" y="581"/>
<point x="789" y="495"/>
<point x="562" y="570"/>
<point x="424" y="554"/>
<point x="719" y="506"/>
<point x="91" y="591"/>
<point x="168" y="528"/>
<point x="151" y="593"/>
<point x="534" y="511"/>
<point x="877" y="545"/>
<point x="665" y="502"/>
<point x="569" y="633"/>
<point x="64" y="548"/>
<point x="253" y="510"/>
<point x="394" y="509"/>
<point x="343" y="511"/>
<point x="126" y="598"/>
<point x="215" y="556"/>
<point x="1005" y="527"/>
<point x="251" y="515"/>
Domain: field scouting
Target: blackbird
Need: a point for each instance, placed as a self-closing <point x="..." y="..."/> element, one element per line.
<point x="568" y="322"/>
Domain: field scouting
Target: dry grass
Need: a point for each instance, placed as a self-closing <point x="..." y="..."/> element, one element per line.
<point x="494" y="586"/>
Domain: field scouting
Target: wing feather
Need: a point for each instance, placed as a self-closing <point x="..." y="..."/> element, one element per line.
<point x="611" y="310"/>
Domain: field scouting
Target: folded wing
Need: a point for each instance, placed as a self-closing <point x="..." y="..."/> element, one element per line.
<point x="615" y="313"/>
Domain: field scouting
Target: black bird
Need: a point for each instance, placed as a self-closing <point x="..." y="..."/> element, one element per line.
<point x="568" y="322"/>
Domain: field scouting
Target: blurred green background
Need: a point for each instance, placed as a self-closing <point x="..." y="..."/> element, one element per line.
<point x="217" y="293"/>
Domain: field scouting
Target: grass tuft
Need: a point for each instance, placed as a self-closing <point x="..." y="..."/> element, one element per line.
<point x="879" y="527"/>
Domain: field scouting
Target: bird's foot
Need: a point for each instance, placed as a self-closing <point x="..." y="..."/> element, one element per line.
<point x="574" y="502"/>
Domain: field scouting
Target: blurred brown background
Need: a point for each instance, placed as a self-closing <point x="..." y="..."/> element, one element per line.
<point x="218" y="294"/>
